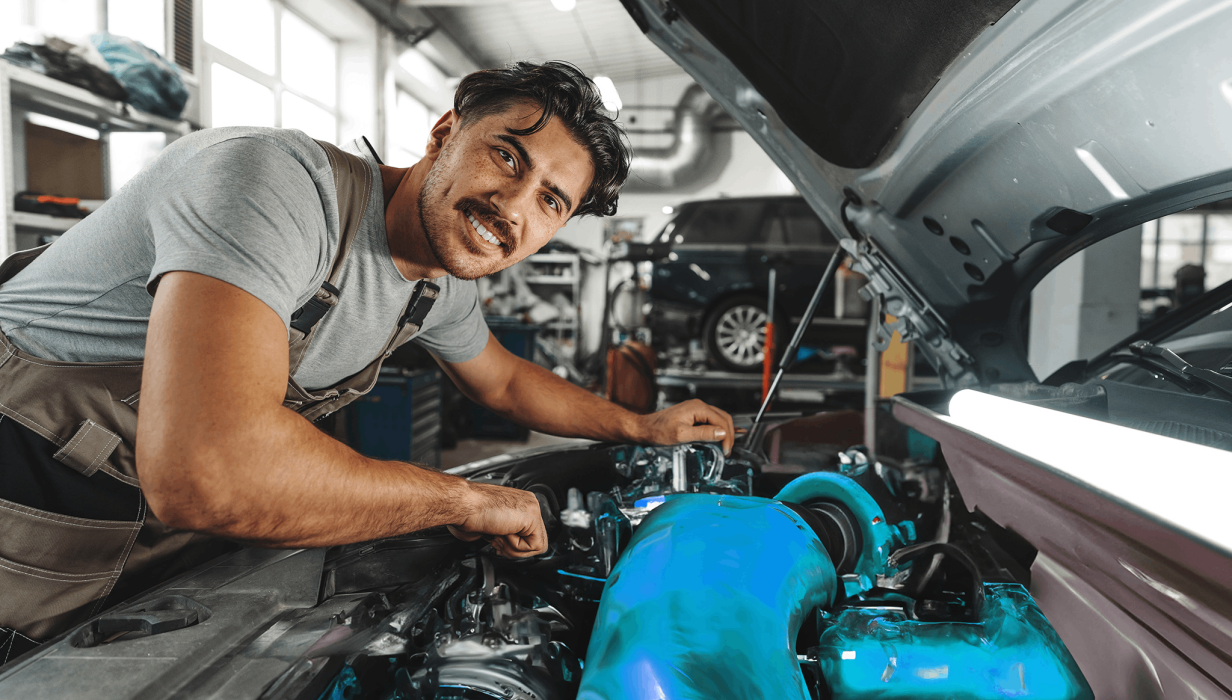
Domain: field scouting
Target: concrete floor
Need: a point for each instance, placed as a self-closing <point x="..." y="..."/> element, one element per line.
<point x="472" y="449"/>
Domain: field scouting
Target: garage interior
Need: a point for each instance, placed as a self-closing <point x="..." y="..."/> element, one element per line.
<point x="664" y="302"/>
<point x="359" y="68"/>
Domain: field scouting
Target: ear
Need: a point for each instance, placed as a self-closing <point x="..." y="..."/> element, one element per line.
<point x="445" y="127"/>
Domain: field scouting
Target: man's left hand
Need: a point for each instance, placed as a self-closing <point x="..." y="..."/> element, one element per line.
<point x="691" y="421"/>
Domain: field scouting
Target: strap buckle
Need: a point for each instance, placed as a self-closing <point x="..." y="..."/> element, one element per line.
<point x="308" y="315"/>
<point x="422" y="299"/>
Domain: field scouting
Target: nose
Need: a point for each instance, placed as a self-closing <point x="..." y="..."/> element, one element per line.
<point x="513" y="201"/>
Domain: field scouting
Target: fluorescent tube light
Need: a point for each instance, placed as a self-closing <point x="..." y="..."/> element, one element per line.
<point x="62" y="125"/>
<point x="1178" y="482"/>
<point x="564" y="5"/>
<point x="607" y="89"/>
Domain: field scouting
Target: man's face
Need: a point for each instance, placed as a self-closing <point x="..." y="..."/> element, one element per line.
<point x="492" y="197"/>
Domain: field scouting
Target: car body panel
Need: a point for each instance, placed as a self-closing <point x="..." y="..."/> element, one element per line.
<point x="1145" y="608"/>
<point x="1120" y="110"/>
<point x="263" y="617"/>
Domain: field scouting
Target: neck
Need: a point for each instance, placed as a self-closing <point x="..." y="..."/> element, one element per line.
<point x="408" y="244"/>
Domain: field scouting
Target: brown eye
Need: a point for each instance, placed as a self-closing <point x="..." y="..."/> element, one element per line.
<point x="505" y="156"/>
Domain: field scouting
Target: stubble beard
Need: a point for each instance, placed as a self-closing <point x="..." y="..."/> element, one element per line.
<point x="458" y="254"/>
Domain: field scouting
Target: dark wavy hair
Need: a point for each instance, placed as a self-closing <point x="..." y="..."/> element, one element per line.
<point x="562" y="91"/>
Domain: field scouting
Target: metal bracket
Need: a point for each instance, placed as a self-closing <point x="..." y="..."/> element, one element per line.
<point x="915" y="318"/>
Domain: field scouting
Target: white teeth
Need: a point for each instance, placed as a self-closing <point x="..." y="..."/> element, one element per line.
<point x="483" y="232"/>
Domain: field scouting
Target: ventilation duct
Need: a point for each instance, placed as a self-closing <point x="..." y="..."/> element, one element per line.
<point x="692" y="154"/>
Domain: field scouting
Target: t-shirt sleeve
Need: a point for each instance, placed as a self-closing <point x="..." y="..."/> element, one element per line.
<point x="245" y="212"/>
<point x="454" y="329"/>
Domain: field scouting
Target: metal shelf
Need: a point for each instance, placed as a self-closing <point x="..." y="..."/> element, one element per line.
<point x="44" y="222"/>
<point x="561" y="258"/>
<point x="550" y="279"/>
<point x="834" y="382"/>
<point x="24" y="90"/>
<point x="39" y="93"/>
<point x="848" y="322"/>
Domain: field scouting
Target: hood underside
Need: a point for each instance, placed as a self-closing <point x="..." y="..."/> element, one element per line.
<point x="964" y="149"/>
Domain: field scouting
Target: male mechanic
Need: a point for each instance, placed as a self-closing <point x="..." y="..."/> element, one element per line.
<point x="251" y="280"/>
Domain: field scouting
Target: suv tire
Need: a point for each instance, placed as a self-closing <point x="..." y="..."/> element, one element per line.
<point x="734" y="333"/>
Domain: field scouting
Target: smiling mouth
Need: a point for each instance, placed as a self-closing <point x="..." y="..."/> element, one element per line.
<point x="483" y="232"/>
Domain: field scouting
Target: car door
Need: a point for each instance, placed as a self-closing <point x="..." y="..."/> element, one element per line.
<point x="797" y="246"/>
<point x="710" y="253"/>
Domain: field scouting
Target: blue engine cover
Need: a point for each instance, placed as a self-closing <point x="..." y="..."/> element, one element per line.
<point x="1010" y="652"/>
<point x="707" y="601"/>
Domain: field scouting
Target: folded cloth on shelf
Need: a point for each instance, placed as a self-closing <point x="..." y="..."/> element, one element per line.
<point x="64" y="61"/>
<point x="153" y="83"/>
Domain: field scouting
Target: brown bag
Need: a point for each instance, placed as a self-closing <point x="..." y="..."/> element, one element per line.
<point x="631" y="376"/>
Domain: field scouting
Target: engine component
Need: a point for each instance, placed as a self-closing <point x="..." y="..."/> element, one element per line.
<point x="858" y="534"/>
<point x="489" y="644"/>
<point x="707" y="601"/>
<point x="689" y="468"/>
<point x="1011" y="651"/>
<point x="690" y="587"/>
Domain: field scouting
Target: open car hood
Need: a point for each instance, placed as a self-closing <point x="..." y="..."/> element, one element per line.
<point x="963" y="149"/>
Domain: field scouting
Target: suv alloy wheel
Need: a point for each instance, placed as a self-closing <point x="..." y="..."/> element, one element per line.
<point x="735" y="334"/>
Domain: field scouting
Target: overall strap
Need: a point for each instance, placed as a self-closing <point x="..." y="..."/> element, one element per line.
<point x="353" y="185"/>
<point x="19" y="261"/>
<point x="324" y="402"/>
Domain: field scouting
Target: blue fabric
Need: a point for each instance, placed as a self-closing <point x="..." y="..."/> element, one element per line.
<point x="153" y="83"/>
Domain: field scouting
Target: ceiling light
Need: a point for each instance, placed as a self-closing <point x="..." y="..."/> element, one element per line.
<point x="668" y="209"/>
<point x="1118" y="461"/>
<point x="607" y="89"/>
<point x="564" y="5"/>
<point x="70" y="127"/>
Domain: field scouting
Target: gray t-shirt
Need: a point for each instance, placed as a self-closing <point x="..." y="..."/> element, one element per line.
<point x="254" y="207"/>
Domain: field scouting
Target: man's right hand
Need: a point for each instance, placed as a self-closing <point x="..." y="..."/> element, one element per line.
<point x="510" y="518"/>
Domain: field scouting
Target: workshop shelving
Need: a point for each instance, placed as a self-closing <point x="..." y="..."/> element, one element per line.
<point x="550" y="274"/>
<point x="43" y="223"/>
<point x="23" y="91"/>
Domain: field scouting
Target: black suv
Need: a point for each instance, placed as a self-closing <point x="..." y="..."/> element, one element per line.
<point x="714" y="284"/>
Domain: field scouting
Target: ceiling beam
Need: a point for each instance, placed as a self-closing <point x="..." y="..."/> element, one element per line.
<point x="455" y="3"/>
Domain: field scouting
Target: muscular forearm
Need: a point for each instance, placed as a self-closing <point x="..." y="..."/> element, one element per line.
<point x="538" y="399"/>
<point x="217" y="451"/>
<point x="534" y="397"/>
<point x="273" y="478"/>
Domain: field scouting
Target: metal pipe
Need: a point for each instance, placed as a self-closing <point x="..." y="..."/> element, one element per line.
<point x="692" y="149"/>
<point x="872" y="380"/>
<point x="680" y="477"/>
<point x="788" y="358"/>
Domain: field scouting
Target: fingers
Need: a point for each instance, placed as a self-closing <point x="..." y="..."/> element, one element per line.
<point x="703" y="433"/>
<point x="521" y="545"/>
<point x="510" y="519"/>
<point x="463" y="534"/>
<point x="710" y="424"/>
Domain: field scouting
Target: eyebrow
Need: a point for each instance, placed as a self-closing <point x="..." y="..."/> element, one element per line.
<point x="551" y="186"/>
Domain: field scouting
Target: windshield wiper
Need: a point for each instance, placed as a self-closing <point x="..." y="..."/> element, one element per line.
<point x="1174" y="362"/>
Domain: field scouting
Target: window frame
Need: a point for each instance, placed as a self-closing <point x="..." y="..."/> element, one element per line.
<point x="211" y="54"/>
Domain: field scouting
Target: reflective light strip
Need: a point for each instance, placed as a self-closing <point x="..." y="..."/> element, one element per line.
<point x="1101" y="173"/>
<point x="1179" y="482"/>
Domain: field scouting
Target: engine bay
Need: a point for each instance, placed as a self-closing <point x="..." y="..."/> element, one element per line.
<point x="682" y="572"/>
